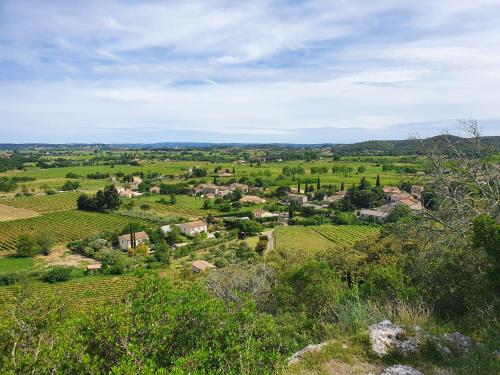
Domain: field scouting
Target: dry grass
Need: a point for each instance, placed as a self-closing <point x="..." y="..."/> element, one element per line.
<point x="13" y="213"/>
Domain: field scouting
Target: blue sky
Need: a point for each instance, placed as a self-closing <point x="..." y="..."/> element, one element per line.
<point x="246" y="71"/>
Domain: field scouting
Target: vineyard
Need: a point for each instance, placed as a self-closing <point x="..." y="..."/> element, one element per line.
<point x="79" y="293"/>
<point x="345" y="234"/>
<point x="65" y="225"/>
<point x="44" y="203"/>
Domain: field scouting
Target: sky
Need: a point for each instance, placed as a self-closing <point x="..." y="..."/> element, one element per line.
<point x="333" y="71"/>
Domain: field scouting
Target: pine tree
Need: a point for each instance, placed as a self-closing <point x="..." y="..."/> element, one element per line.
<point x="318" y="184"/>
<point x="377" y="184"/>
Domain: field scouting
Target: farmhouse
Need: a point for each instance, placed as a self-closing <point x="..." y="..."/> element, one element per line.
<point x="252" y="199"/>
<point x="193" y="228"/>
<point x="396" y="197"/>
<point x="379" y="216"/>
<point x="411" y="203"/>
<point x="242" y="187"/>
<point x="416" y="191"/>
<point x="337" y="196"/>
<point x="260" y="214"/>
<point x="128" y="193"/>
<point x="299" y="198"/>
<point x="201" y="265"/>
<point x="390" y="190"/>
<point x="126" y="243"/>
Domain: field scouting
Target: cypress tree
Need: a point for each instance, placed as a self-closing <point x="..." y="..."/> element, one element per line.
<point x="377" y="184"/>
<point x="342" y="186"/>
<point x="306" y="190"/>
<point x="298" y="185"/>
<point x="318" y="184"/>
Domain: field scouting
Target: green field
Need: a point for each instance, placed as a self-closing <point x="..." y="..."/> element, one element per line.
<point x="11" y="264"/>
<point x="186" y="206"/>
<point x="79" y="293"/>
<point x="300" y="240"/>
<point x="64" y="225"/>
<point x="55" y="177"/>
<point x="45" y="203"/>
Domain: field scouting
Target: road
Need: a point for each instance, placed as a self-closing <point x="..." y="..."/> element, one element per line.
<point x="272" y="242"/>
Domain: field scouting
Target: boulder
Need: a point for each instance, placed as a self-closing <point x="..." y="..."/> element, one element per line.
<point x="460" y="345"/>
<point x="308" y="349"/>
<point x="400" y="370"/>
<point x="386" y="337"/>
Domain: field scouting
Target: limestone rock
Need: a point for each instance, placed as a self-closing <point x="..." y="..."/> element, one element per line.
<point x="460" y="345"/>
<point x="400" y="370"/>
<point x="385" y="336"/>
<point x="308" y="349"/>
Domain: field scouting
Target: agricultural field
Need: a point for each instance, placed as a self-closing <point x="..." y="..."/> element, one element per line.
<point x="308" y="240"/>
<point x="44" y="203"/>
<point x="186" y="206"/>
<point x="79" y="293"/>
<point x="12" y="213"/>
<point x="345" y="234"/>
<point x="64" y="225"/>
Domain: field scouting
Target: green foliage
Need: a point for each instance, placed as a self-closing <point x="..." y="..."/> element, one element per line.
<point x="70" y="185"/>
<point x="56" y="274"/>
<point x="27" y="246"/>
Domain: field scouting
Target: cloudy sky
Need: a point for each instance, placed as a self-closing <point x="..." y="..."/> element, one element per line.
<point x="246" y="71"/>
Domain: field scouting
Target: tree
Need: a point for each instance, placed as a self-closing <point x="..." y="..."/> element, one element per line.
<point x="364" y="184"/>
<point x="377" y="183"/>
<point x="342" y="186"/>
<point x="70" y="185"/>
<point x="318" y="184"/>
<point x="173" y="199"/>
<point x="27" y="246"/>
<point x="298" y="185"/>
<point x="174" y="236"/>
<point x="45" y="241"/>
<point x="361" y="169"/>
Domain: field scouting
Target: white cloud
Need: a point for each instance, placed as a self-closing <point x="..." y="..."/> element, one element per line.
<point x="234" y="66"/>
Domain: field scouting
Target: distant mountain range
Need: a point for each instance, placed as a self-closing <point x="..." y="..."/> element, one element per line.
<point x="376" y="147"/>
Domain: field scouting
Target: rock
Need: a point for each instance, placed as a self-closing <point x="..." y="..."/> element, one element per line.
<point x="460" y="345"/>
<point x="385" y="336"/>
<point x="308" y="349"/>
<point x="400" y="370"/>
<point x="496" y="354"/>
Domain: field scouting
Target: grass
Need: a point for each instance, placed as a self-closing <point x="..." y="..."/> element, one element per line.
<point x="64" y="225"/>
<point x="12" y="264"/>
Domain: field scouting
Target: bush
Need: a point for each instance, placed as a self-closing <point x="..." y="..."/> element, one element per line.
<point x="57" y="274"/>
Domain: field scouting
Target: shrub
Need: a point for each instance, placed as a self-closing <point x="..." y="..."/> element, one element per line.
<point x="57" y="274"/>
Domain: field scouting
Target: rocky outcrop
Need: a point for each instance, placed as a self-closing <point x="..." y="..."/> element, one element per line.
<point x="400" y="370"/>
<point x="386" y="337"/>
<point x="296" y="357"/>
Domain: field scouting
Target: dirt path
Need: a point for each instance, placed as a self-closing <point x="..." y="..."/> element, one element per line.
<point x="272" y="241"/>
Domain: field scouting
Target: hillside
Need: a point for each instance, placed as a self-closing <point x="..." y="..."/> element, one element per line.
<point x="410" y="146"/>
